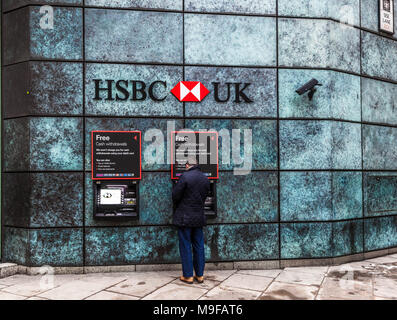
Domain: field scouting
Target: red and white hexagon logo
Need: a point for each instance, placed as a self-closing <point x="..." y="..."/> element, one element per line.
<point x="190" y="91"/>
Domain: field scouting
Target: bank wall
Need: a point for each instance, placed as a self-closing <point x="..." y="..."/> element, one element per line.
<point x="324" y="179"/>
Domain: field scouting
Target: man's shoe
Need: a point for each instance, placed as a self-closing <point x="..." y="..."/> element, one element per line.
<point x="199" y="279"/>
<point x="188" y="280"/>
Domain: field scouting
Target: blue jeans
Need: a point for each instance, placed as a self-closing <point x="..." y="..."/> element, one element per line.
<point x="192" y="238"/>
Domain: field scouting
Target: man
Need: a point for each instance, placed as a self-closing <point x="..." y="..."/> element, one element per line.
<point x="189" y="195"/>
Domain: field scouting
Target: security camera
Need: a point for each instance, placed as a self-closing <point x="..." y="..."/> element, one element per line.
<point x="310" y="86"/>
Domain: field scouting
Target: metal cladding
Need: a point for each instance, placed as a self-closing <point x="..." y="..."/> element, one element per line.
<point x="324" y="171"/>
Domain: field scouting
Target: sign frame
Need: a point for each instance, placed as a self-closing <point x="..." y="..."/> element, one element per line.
<point x="195" y="132"/>
<point x="116" y="178"/>
<point x="380" y="11"/>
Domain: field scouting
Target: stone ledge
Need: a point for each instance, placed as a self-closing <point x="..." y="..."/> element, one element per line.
<point x="375" y="254"/>
<point x="158" y="267"/>
<point x="257" y="265"/>
<point x="32" y="271"/>
<point x="305" y="263"/>
<point x="346" y="259"/>
<point x="106" y="269"/>
<point x="9" y="269"/>
<point x="393" y="250"/>
<point x="219" y="266"/>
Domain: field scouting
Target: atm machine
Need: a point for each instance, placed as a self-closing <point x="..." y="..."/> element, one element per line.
<point x="114" y="199"/>
<point x="207" y="143"/>
<point x="116" y="171"/>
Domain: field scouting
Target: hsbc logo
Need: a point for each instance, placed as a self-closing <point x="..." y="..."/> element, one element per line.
<point x="190" y="91"/>
<point x="184" y="91"/>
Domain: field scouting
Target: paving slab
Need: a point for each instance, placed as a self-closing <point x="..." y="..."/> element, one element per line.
<point x="333" y="288"/>
<point x="311" y="270"/>
<point x="10" y="296"/>
<point x="349" y="267"/>
<point x="385" y="287"/>
<point x="347" y="273"/>
<point x="358" y="265"/>
<point x="343" y="298"/>
<point x="106" y="295"/>
<point x="81" y="288"/>
<point x="287" y="291"/>
<point x="16" y="279"/>
<point x="100" y="275"/>
<point x="174" y="291"/>
<point x="383" y="260"/>
<point x="27" y="289"/>
<point x="227" y="293"/>
<point x="371" y="279"/>
<point x="381" y="298"/>
<point x="169" y="273"/>
<point x="34" y="285"/>
<point x="218" y="275"/>
<point x="37" y="299"/>
<point x="207" y="284"/>
<point x="142" y="283"/>
<point x="310" y="279"/>
<point x="262" y="273"/>
<point x="246" y="281"/>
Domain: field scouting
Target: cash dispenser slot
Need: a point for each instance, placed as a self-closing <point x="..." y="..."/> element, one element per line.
<point x="210" y="205"/>
<point x="116" y="199"/>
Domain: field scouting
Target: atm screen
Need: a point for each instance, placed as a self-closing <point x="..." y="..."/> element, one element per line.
<point x="110" y="196"/>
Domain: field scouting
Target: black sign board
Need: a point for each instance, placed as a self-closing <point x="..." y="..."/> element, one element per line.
<point x="201" y="145"/>
<point x="115" y="155"/>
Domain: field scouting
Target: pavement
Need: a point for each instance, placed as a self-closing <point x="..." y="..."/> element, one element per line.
<point x="374" y="279"/>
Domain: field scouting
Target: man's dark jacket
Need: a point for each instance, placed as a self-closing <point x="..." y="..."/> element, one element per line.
<point x="189" y="195"/>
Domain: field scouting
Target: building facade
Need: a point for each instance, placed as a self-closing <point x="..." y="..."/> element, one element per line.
<point x="324" y="171"/>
